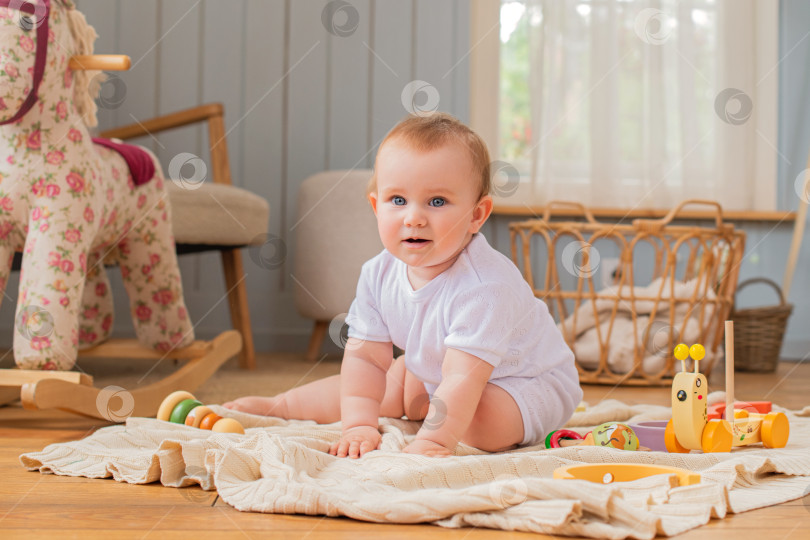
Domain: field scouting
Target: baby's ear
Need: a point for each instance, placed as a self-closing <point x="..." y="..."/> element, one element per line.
<point x="481" y="212"/>
<point x="372" y="199"/>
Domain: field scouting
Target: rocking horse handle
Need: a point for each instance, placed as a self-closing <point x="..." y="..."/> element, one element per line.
<point x="101" y="62"/>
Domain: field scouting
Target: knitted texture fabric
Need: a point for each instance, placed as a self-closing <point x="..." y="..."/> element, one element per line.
<point x="283" y="467"/>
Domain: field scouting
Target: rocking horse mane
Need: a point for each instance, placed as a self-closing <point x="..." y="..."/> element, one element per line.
<point x="86" y="83"/>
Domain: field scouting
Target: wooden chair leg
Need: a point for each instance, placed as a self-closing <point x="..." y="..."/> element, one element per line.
<point x="238" y="302"/>
<point x="316" y="340"/>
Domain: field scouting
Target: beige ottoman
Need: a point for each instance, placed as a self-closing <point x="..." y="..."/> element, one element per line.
<point x="335" y="233"/>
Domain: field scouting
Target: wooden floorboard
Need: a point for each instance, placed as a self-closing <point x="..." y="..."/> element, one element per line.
<point x="34" y="505"/>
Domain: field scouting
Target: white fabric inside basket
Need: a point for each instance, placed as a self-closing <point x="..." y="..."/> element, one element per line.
<point x="676" y="311"/>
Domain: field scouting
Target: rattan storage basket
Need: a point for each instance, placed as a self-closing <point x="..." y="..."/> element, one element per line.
<point x="759" y="331"/>
<point x="673" y="283"/>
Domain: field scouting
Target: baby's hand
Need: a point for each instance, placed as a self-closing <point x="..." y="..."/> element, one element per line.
<point x="356" y="441"/>
<point x="427" y="448"/>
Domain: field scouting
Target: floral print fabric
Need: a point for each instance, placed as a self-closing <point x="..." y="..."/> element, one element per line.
<point x="70" y="206"/>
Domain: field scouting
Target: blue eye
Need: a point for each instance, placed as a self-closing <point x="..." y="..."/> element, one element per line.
<point x="398" y="201"/>
<point x="437" y="201"/>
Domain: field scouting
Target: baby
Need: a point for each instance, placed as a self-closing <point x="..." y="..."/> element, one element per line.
<point x="484" y="363"/>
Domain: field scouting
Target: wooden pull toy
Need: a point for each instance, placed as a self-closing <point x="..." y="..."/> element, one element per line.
<point x="690" y="427"/>
<point x="182" y="407"/>
<point x="612" y="434"/>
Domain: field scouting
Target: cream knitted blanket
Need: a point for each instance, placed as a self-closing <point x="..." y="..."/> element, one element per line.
<point x="282" y="467"/>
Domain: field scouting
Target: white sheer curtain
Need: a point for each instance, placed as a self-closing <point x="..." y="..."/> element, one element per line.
<point x="645" y="103"/>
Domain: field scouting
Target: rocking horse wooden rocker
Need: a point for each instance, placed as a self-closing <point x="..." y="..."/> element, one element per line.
<point x="70" y="204"/>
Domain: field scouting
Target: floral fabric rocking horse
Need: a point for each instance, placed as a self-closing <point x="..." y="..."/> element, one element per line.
<point x="70" y="205"/>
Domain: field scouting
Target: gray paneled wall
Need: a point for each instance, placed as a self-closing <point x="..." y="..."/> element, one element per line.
<point x="298" y="98"/>
<point x="794" y="147"/>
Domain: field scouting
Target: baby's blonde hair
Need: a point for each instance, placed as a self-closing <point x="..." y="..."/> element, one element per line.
<point x="426" y="133"/>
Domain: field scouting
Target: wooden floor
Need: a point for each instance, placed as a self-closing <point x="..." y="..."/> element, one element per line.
<point x="35" y="505"/>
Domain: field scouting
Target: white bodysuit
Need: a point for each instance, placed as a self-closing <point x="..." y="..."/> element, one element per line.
<point x="480" y="305"/>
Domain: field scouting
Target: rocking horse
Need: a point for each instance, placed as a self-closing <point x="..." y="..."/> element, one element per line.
<point x="72" y="204"/>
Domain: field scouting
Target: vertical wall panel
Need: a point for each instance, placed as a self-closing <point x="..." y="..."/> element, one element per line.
<point x="103" y="17"/>
<point x="349" y="86"/>
<point x="138" y="37"/>
<point x="461" y="55"/>
<point x="391" y="65"/>
<point x="179" y="87"/>
<point x="262" y="157"/>
<point x="222" y="66"/>
<point x="794" y="147"/>
<point x="220" y="76"/>
<point x="307" y="99"/>
<point x="434" y="48"/>
<point x="179" y="72"/>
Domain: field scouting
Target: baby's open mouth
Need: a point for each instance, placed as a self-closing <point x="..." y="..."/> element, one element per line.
<point x="416" y="240"/>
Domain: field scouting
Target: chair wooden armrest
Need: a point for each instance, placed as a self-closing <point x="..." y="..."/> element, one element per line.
<point x="211" y="113"/>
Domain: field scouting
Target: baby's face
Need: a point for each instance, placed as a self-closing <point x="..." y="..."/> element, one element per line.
<point x="427" y="204"/>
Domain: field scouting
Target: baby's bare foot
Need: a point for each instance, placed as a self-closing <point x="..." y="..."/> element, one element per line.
<point x="264" y="406"/>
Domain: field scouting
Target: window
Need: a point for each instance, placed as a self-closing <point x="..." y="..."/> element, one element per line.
<point x="631" y="103"/>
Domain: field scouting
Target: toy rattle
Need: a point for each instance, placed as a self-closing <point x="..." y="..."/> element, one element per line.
<point x="182" y="407"/>
<point x="690" y="427"/>
<point x="608" y="434"/>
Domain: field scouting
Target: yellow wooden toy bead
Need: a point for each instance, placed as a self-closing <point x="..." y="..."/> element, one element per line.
<point x="681" y="352"/>
<point x="171" y="401"/>
<point x="228" y="425"/>
<point x="697" y="352"/>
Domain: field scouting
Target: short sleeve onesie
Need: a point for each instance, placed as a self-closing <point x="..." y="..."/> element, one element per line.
<point x="480" y="305"/>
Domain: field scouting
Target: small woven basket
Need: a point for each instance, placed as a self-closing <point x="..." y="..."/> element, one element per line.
<point x="758" y="332"/>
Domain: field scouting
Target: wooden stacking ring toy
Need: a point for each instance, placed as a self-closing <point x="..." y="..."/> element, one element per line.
<point x="181" y="407"/>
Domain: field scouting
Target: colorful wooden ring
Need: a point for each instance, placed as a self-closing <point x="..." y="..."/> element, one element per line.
<point x="553" y="438"/>
<point x="182" y="409"/>
<point x="196" y="415"/>
<point x="228" y="425"/>
<point x="171" y="401"/>
<point x="209" y="420"/>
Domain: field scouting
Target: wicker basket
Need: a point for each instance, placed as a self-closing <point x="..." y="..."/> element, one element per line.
<point x="758" y="332"/>
<point x="672" y="284"/>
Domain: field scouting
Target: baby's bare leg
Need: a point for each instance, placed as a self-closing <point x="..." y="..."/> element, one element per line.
<point x="320" y="400"/>
<point x="497" y="424"/>
<point x="404" y="394"/>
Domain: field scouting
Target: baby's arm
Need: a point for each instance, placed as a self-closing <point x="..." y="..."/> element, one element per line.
<point x="453" y="405"/>
<point x="362" y="387"/>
